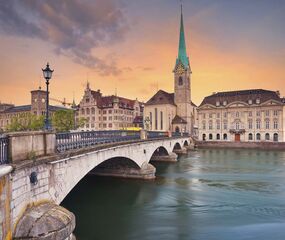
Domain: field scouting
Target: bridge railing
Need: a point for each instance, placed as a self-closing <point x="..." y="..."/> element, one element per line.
<point x="156" y="134"/>
<point x="75" y="140"/>
<point x="4" y="142"/>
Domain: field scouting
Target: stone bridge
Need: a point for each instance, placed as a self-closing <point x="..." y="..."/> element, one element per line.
<point x="40" y="177"/>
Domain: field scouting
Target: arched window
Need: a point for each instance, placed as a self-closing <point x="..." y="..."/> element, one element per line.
<point x="180" y="81"/>
<point x="87" y="111"/>
<point x="93" y="110"/>
<point x="275" y="137"/>
<point x="177" y="129"/>
<point x="267" y="136"/>
<point x="211" y="136"/>
<point x="258" y="136"/>
<point x="82" y="111"/>
<point x="218" y="136"/>
<point x="204" y="137"/>
<point x="225" y="137"/>
<point x="250" y="137"/>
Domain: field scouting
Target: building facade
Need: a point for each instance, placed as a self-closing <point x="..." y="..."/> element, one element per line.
<point x="108" y="112"/>
<point x="247" y="115"/>
<point x="37" y="107"/>
<point x="174" y="111"/>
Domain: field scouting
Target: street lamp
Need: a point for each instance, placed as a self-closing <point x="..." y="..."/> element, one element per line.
<point x="47" y="72"/>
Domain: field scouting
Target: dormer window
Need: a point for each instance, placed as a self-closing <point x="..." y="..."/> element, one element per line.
<point x="258" y="101"/>
<point x="218" y="103"/>
<point x="225" y="103"/>
<point x="249" y="101"/>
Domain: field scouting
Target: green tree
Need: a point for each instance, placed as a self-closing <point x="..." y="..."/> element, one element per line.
<point x="26" y="122"/>
<point x="63" y="120"/>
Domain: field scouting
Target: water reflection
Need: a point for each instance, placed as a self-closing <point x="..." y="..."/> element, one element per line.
<point x="209" y="194"/>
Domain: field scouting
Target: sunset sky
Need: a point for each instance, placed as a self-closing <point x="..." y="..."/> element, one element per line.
<point x="132" y="45"/>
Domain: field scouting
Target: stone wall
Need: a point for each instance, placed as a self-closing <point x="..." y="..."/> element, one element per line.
<point x="253" y="145"/>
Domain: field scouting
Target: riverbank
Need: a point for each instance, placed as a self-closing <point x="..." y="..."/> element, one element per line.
<point x="241" y="145"/>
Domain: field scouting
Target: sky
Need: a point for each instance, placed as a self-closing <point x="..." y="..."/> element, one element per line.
<point x="130" y="46"/>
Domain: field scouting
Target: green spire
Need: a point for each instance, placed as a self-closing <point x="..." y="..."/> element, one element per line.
<point x="182" y="55"/>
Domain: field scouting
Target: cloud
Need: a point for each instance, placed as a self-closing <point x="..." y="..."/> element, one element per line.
<point x="74" y="27"/>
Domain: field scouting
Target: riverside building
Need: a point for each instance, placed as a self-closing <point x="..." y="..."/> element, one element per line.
<point x="247" y="116"/>
<point x="108" y="112"/>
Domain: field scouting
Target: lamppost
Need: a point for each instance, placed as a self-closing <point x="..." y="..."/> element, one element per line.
<point x="47" y="72"/>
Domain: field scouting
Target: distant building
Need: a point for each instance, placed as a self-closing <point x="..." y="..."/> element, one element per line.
<point x="247" y="115"/>
<point x="37" y="107"/>
<point x="174" y="111"/>
<point x="108" y="112"/>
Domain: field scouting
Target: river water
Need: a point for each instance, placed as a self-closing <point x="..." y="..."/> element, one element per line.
<point x="207" y="195"/>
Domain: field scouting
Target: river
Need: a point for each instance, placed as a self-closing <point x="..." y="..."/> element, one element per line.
<point x="206" y="195"/>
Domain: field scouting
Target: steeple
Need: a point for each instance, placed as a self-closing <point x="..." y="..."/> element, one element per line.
<point x="182" y="54"/>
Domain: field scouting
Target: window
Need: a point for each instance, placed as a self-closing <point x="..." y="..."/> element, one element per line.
<point x="110" y="111"/>
<point x="93" y="110"/>
<point x="257" y="101"/>
<point x="87" y="100"/>
<point x="250" y="137"/>
<point x="225" y="114"/>
<point x="210" y="125"/>
<point x="180" y="81"/>
<point x="267" y="137"/>
<point x="204" y="115"/>
<point x="225" y="136"/>
<point x="225" y="125"/>
<point x="204" y="137"/>
<point x="210" y="115"/>
<point x="218" y="136"/>
<point x="110" y="125"/>
<point x="258" y="136"/>
<point x="104" y="112"/>
<point x="275" y="113"/>
<point x="225" y="103"/>
<point x="218" y="125"/>
<point x="257" y="124"/>
<point x="267" y="124"/>
<point x="275" y="137"/>
<point x="249" y="101"/>
<point x="87" y="111"/>
<point x="211" y="136"/>
<point x="204" y="125"/>
<point x="250" y="124"/>
<point x="155" y="118"/>
<point x="250" y="114"/>
<point x="218" y="103"/>
<point x="110" y="118"/>
<point x="258" y="113"/>
<point x="267" y="113"/>
<point x="237" y="114"/>
<point x="161" y="120"/>
<point x="275" y="124"/>
<point x="237" y="125"/>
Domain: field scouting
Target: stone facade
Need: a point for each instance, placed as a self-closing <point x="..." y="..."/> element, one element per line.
<point x="174" y="111"/>
<point x="108" y="112"/>
<point x="248" y="116"/>
<point x="37" y="107"/>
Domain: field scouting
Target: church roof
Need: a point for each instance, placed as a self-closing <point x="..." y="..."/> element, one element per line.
<point x="161" y="97"/>
<point x="178" y="120"/>
<point x="242" y="96"/>
<point x="182" y="54"/>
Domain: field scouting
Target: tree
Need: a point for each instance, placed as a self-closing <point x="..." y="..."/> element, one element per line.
<point x="26" y="122"/>
<point x="63" y="120"/>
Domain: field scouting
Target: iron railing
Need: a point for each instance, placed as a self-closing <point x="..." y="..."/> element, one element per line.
<point x="156" y="134"/>
<point x="76" y="140"/>
<point x="4" y="150"/>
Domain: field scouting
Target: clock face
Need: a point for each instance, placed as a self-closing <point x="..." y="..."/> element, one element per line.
<point x="180" y="69"/>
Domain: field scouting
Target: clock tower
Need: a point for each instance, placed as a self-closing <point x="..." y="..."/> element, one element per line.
<point x="182" y="84"/>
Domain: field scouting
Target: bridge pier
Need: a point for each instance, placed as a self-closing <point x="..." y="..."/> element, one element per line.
<point x="46" y="221"/>
<point x="146" y="172"/>
<point x="172" y="157"/>
<point x="183" y="150"/>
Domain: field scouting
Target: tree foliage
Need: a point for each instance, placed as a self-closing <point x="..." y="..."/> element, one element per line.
<point x="26" y="122"/>
<point x="63" y="120"/>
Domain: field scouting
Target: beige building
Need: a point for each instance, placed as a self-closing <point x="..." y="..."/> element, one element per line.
<point x="108" y="112"/>
<point x="37" y="107"/>
<point x="174" y="111"/>
<point x="247" y="115"/>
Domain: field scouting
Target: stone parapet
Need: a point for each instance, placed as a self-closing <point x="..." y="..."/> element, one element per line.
<point x="29" y="145"/>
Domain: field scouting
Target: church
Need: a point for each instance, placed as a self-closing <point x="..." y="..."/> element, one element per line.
<point x="174" y="111"/>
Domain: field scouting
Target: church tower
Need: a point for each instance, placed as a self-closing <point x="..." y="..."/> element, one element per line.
<point x="182" y="83"/>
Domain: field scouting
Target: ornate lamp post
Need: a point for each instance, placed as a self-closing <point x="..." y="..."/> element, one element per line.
<point x="47" y="72"/>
